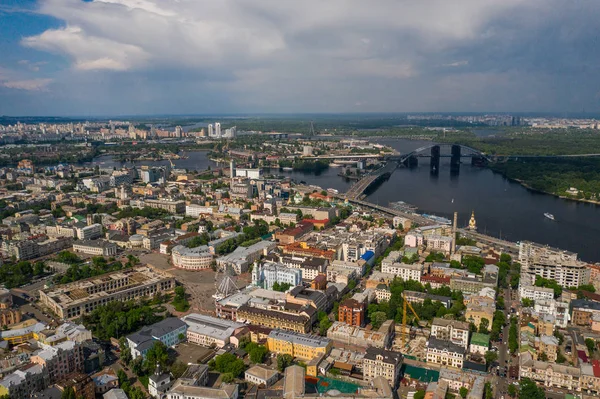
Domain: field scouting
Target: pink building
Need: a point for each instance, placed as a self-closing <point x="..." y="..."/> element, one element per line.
<point x="413" y="240"/>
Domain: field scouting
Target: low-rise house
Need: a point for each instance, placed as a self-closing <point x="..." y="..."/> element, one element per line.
<point x="262" y="376"/>
<point x="480" y="344"/>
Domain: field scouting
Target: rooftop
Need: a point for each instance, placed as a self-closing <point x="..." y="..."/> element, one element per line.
<point x="261" y="372"/>
<point x="299" y="339"/>
<point x="480" y="339"/>
<point x="214" y="327"/>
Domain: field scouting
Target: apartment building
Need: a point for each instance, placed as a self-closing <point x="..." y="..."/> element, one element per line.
<point x="22" y="383"/>
<point x="95" y="247"/>
<point x="438" y="243"/>
<point x="553" y="263"/>
<point x="299" y="346"/>
<point x="584" y="311"/>
<point x="380" y="362"/>
<point x="472" y="284"/>
<point x="90" y="232"/>
<point x="198" y="258"/>
<point x="352" y="312"/>
<point x="536" y="293"/>
<point x="208" y="331"/>
<point x="358" y="338"/>
<point x="195" y="210"/>
<point x="392" y="265"/>
<point x="168" y="205"/>
<point x="550" y="375"/>
<point x="60" y="360"/>
<point x="293" y="318"/>
<point x="445" y="353"/>
<point x="267" y="274"/>
<point x="454" y="331"/>
<point x="480" y="307"/>
<point x="72" y="300"/>
<point x="242" y="257"/>
<point x="558" y="310"/>
<point x="548" y="344"/>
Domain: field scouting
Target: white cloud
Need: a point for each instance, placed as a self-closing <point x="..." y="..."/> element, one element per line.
<point x="311" y="55"/>
<point x="29" y="85"/>
<point x="457" y="64"/>
<point x="235" y="34"/>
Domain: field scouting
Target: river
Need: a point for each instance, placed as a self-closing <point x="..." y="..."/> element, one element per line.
<point x="502" y="208"/>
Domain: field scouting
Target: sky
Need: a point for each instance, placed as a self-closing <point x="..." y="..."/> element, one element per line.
<point x="127" y="57"/>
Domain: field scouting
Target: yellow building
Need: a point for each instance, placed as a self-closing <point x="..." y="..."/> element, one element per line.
<point x="478" y="308"/>
<point x="22" y="335"/>
<point x="300" y="322"/>
<point x="300" y="346"/>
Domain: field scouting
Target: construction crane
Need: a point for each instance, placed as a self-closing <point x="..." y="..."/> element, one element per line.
<point x="405" y="305"/>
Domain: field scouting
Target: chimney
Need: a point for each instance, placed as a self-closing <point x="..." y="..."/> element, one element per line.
<point x="453" y="247"/>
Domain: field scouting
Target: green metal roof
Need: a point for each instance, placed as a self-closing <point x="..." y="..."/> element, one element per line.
<point x="480" y="339"/>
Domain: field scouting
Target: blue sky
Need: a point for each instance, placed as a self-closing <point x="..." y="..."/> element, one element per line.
<point x="111" y="57"/>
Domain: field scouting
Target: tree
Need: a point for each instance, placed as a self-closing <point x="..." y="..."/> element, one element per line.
<point x="500" y="303"/>
<point x="512" y="391"/>
<point x="591" y="345"/>
<point x="483" y="326"/>
<point x="490" y="357"/>
<point x="122" y="375"/>
<point x="420" y="394"/>
<point x="178" y="368"/>
<point x="527" y="303"/>
<point x="257" y="353"/>
<point x="68" y="393"/>
<point x="157" y="354"/>
<point x="180" y="301"/>
<point x="560" y="358"/>
<point x="529" y="390"/>
<point x="543" y="357"/>
<point x="137" y="366"/>
<point x="463" y="391"/>
<point x="488" y="392"/>
<point x="228" y="363"/>
<point x="324" y="325"/>
<point x="284" y="361"/>
<point x="124" y="351"/>
<point x="377" y="319"/>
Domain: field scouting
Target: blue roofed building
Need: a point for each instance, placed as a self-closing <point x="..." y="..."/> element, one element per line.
<point x="368" y="257"/>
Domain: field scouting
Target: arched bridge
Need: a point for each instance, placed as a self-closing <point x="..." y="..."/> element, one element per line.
<point x="456" y="150"/>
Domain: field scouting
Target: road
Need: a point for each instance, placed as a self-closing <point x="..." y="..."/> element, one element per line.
<point x="503" y="357"/>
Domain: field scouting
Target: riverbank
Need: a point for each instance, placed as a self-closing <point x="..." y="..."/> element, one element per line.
<point x="535" y="190"/>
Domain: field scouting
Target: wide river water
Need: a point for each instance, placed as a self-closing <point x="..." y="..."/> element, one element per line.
<point x="502" y="208"/>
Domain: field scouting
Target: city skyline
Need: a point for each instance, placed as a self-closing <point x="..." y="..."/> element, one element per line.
<point x="118" y="57"/>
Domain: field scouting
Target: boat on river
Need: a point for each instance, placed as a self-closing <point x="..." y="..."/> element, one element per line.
<point x="549" y="216"/>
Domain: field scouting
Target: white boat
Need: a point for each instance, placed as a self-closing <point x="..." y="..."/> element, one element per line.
<point x="549" y="216"/>
<point x="287" y="169"/>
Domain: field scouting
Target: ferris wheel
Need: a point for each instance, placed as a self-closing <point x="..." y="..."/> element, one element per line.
<point x="224" y="283"/>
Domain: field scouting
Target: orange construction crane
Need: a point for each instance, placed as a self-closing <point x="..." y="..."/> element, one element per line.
<point x="406" y="304"/>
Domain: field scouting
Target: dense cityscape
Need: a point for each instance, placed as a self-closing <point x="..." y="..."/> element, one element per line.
<point x="143" y="278"/>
